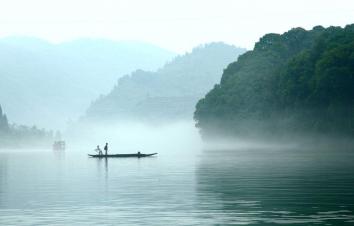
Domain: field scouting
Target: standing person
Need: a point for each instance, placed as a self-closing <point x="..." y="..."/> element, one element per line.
<point x="106" y="148"/>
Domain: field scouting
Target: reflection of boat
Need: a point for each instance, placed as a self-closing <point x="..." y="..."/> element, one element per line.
<point x="137" y="155"/>
<point x="59" y="145"/>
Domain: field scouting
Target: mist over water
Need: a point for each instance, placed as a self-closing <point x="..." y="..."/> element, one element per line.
<point x="187" y="183"/>
<point x="131" y="136"/>
<point x="217" y="135"/>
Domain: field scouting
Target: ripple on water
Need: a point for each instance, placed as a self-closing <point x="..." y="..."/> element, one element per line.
<point x="228" y="188"/>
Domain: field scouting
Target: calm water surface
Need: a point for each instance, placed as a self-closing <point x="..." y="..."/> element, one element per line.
<point x="186" y="187"/>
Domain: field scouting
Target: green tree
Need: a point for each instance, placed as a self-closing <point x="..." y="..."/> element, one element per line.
<point x="4" y="124"/>
<point x="298" y="82"/>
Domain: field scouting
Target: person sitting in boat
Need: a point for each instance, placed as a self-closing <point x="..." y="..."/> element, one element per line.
<point x="98" y="149"/>
<point x="106" y="148"/>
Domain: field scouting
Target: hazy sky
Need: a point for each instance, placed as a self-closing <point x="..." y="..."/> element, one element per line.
<point x="177" y="25"/>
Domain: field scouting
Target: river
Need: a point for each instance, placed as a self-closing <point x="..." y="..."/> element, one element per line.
<point x="178" y="187"/>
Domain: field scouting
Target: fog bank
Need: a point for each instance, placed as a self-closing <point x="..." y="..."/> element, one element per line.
<point x="130" y="137"/>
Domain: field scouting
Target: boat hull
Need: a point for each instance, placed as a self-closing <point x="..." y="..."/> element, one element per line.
<point x="122" y="155"/>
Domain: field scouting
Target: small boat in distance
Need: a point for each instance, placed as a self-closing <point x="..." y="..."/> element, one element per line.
<point x="137" y="155"/>
<point x="59" y="145"/>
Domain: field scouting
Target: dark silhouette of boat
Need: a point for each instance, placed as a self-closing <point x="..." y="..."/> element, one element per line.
<point x="136" y="155"/>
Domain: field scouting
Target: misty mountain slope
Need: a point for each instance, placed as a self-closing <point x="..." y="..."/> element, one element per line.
<point x="169" y="93"/>
<point x="292" y="84"/>
<point x="48" y="84"/>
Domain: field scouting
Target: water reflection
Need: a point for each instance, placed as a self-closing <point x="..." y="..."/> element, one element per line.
<point x="261" y="187"/>
<point x="106" y="166"/>
<point x="3" y="177"/>
<point x="102" y="166"/>
<point x="254" y="187"/>
<point x="59" y="154"/>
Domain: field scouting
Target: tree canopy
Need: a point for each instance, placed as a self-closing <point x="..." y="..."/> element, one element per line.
<point x="16" y="136"/>
<point x="169" y="93"/>
<point x="298" y="82"/>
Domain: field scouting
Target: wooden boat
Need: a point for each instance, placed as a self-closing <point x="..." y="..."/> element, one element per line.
<point x="136" y="155"/>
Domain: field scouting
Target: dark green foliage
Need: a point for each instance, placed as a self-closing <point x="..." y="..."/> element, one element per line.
<point x="300" y="81"/>
<point x="4" y="125"/>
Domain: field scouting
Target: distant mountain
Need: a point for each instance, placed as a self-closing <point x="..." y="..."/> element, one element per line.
<point x="296" y="84"/>
<point x="171" y="92"/>
<point x="48" y="84"/>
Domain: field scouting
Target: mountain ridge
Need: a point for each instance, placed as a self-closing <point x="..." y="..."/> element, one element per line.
<point x="71" y="73"/>
<point x="139" y="95"/>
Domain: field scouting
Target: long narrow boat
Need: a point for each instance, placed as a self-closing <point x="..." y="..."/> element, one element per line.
<point x="136" y="155"/>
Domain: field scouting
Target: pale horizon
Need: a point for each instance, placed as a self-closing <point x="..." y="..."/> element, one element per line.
<point x="176" y="26"/>
<point x="176" y="112"/>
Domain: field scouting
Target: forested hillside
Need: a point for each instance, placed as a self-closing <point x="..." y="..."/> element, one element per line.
<point x="171" y="92"/>
<point x="19" y="136"/>
<point x="296" y="83"/>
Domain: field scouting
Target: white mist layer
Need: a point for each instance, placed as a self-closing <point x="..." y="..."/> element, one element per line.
<point x="131" y="137"/>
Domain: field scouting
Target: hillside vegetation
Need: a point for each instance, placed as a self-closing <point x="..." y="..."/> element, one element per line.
<point x="297" y="83"/>
<point x="168" y="94"/>
<point x="19" y="136"/>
